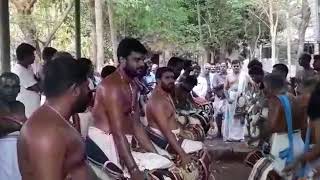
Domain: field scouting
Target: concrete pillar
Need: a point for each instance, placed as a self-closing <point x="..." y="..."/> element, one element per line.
<point x="4" y="36"/>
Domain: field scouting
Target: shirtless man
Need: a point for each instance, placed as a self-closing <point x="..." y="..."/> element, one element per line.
<point x="161" y="115"/>
<point x="116" y="109"/>
<point x="11" y="111"/>
<point x="12" y="116"/>
<point x="277" y="123"/>
<point x="49" y="146"/>
<point x="307" y="71"/>
<point x="161" y="112"/>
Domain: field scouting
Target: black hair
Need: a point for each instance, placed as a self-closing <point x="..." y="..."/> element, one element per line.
<point x="197" y="67"/>
<point x="10" y="75"/>
<point x="305" y="56"/>
<point x="62" y="54"/>
<point x="256" y="70"/>
<point x="175" y="61"/>
<point x="275" y="81"/>
<point x="87" y="65"/>
<point x="236" y="61"/>
<point x="282" y="67"/>
<point x="187" y="64"/>
<point x="254" y="62"/>
<point x="161" y="71"/>
<point x="24" y="50"/>
<point x="128" y="45"/>
<point x="314" y="103"/>
<point x="192" y="80"/>
<point x="107" y="70"/>
<point x="60" y="74"/>
<point x="316" y="57"/>
<point x="48" y="53"/>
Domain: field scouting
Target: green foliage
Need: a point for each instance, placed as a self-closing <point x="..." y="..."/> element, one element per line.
<point x="171" y="22"/>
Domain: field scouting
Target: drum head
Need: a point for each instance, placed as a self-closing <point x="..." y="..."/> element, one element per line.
<point x="241" y="101"/>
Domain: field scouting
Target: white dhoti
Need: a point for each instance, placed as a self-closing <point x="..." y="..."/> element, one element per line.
<point x="145" y="161"/>
<point x="9" y="167"/>
<point x="86" y="120"/>
<point x="279" y="143"/>
<point x="189" y="146"/>
<point x="233" y="127"/>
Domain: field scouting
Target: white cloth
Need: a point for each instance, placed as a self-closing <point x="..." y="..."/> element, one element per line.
<point x="149" y="161"/>
<point x="233" y="129"/>
<point x="86" y="120"/>
<point x="9" y="168"/>
<point x="30" y="99"/>
<point x="189" y="146"/>
<point x="201" y="88"/>
<point x="280" y="142"/>
<point x="218" y="105"/>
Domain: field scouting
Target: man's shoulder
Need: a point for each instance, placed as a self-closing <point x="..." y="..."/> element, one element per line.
<point x="111" y="84"/>
<point x="157" y="98"/>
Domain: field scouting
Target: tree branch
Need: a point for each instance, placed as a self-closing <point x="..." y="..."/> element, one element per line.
<point x="57" y="26"/>
<point x="263" y="21"/>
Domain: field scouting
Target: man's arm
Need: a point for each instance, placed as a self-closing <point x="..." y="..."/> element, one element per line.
<point x="142" y="137"/>
<point x="226" y="88"/>
<point x="46" y="154"/>
<point x="113" y="111"/>
<point x="36" y="88"/>
<point x="140" y="132"/>
<point x="161" y="116"/>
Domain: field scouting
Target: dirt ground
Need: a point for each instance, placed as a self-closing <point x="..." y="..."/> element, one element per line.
<point x="230" y="170"/>
<point x="228" y="160"/>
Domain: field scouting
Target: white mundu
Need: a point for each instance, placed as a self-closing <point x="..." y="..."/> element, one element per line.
<point x="30" y="99"/>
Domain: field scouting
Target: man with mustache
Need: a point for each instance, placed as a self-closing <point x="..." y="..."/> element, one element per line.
<point x="49" y="147"/>
<point x="117" y="123"/>
<point x="163" y="129"/>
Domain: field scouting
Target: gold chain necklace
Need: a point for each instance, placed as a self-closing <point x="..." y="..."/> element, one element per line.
<point x="59" y="114"/>
<point x="131" y="94"/>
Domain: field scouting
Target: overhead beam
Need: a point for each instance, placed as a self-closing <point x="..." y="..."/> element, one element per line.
<point x="4" y="37"/>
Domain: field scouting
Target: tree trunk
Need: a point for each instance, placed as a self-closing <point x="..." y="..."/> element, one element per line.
<point x="58" y="25"/>
<point x="199" y="21"/>
<point x="207" y="55"/>
<point x="288" y="38"/>
<point x="273" y="23"/>
<point x="93" y="34"/>
<point x="113" y="31"/>
<point x="306" y="13"/>
<point x="273" y="48"/>
<point x="99" y="30"/>
<point x="26" y="23"/>
<point x="223" y="50"/>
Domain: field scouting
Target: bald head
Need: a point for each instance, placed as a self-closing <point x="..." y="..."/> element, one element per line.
<point x="9" y="86"/>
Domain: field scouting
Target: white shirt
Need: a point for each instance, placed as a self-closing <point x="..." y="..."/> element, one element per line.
<point x="9" y="167"/>
<point x="30" y="99"/>
<point x="202" y="87"/>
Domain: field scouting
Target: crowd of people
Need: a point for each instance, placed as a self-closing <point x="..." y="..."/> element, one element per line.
<point x="141" y="121"/>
